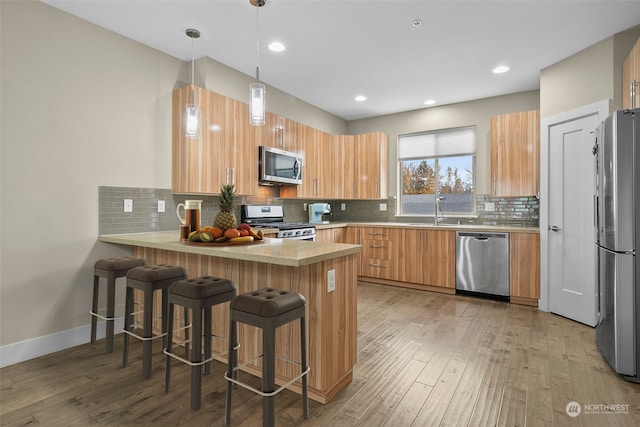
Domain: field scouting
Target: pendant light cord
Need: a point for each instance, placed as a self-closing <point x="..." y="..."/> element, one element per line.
<point x="192" y="71"/>
<point x="257" y="44"/>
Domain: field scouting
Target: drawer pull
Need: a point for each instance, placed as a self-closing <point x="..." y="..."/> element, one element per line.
<point x="377" y="265"/>
<point x="376" y="234"/>
<point x="377" y="246"/>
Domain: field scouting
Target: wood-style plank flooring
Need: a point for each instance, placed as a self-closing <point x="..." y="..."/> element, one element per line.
<point x="424" y="359"/>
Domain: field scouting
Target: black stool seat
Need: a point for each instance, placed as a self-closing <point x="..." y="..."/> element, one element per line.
<point x="111" y="269"/>
<point x="268" y="302"/>
<point x="148" y="279"/>
<point x="120" y="266"/>
<point x="199" y="294"/>
<point x="266" y="309"/>
<point x="202" y="287"/>
<point x="157" y="273"/>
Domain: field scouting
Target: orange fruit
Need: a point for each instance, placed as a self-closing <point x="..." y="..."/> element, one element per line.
<point x="216" y="232"/>
<point x="231" y="233"/>
<point x="243" y="232"/>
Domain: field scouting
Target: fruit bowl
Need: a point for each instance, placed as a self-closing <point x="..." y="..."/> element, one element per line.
<point x="213" y="244"/>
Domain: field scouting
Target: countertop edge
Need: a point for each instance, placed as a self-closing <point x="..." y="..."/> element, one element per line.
<point x="453" y="227"/>
<point x="168" y="240"/>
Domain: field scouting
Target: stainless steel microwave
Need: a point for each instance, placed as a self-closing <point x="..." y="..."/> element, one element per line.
<point x="279" y="167"/>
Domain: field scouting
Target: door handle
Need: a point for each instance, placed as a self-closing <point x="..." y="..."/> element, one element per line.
<point x="554" y="228"/>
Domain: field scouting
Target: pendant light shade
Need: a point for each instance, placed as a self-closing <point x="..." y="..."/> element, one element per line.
<point x="257" y="103"/>
<point x="192" y="119"/>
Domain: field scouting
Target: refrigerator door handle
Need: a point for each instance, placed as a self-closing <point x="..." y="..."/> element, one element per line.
<point x="554" y="228"/>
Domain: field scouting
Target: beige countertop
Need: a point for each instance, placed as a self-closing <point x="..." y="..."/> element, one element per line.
<point x="287" y="252"/>
<point x="431" y="226"/>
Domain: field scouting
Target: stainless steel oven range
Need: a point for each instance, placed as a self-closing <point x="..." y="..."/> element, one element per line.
<point x="272" y="216"/>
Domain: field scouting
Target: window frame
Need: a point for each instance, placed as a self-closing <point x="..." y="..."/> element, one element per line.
<point x="399" y="177"/>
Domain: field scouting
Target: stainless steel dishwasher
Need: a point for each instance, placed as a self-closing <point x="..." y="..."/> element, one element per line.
<point x="482" y="264"/>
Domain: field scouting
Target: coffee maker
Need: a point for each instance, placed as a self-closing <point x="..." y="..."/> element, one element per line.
<point x="316" y="210"/>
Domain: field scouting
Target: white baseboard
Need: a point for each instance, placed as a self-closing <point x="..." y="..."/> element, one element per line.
<point x="36" y="347"/>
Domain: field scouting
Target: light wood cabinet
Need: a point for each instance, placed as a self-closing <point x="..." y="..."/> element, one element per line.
<point x="225" y="152"/>
<point x="524" y="268"/>
<point x="379" y="252"/>
<point x="515" y="154"/>
<point x="429" y="258"/>
<point x="631" y="76"/>
<point x="331" y="235"/>
<point x="341" y="166"/>
<point x="371" y="166"/>
<point x="334" y="166"/>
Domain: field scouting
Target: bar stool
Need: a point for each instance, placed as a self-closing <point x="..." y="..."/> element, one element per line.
<point x="199" y="295"/>
<point x="148" y="279"/>
<point x="110" y="269"/>
<point x="267" y="309"/>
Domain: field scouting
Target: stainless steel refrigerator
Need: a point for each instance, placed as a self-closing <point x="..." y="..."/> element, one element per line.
<point x="617" y="216"/>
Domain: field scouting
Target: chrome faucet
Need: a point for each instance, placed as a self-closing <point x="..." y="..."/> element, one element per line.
<point x="439" y="209"/>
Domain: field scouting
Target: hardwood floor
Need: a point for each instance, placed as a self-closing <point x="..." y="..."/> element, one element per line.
<point x="424" y="359"/>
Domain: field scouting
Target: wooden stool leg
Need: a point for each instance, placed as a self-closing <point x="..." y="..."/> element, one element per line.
<point x="268" y="373"/>
<point x="111" y="303"/>
<point x="303" y="362"/>
<point x="94" y="307"/>
<point x="168" y="348"/>
<point x="147" y="328"/>
<point x="128" y="310"/>
<point x="231" y="364"/>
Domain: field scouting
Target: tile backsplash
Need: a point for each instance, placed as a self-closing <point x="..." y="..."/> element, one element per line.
<point x="517" y="211"/>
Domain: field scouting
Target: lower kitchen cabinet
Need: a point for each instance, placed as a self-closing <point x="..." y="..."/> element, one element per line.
<point x="436" y="258"/>
<point x="331" y="235"/>
<point x="379" y="253"/>
<point x="524" y="268"/>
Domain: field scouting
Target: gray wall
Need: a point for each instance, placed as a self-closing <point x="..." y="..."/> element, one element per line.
<point x="475" y="113"/>
<point x="82" y="107"/>
<point x="591" y="75"/>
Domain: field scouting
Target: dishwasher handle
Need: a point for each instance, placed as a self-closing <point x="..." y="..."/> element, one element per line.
<point x="483" y="236"/>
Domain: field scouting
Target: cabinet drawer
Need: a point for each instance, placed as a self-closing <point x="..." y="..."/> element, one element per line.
<point x="375" y="249"/>
<point x="372" y="267"/>
<point x="374" y="234"/>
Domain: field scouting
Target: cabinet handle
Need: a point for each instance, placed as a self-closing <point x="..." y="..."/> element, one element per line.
<point x="279" y="136"/>
<point x="226" y="175"/>
<point x="377" y="246"/>
<point x="494" y="184"/>
<point x="376" y="265"/>
<point x="375" y="189"/>
<point x="376" y="234"/>
<point x="233" y="176"/>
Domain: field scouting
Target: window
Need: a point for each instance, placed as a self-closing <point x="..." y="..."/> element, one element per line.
<point x="437" y="164"/>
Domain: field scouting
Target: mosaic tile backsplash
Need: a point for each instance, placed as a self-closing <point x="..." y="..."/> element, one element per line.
<point x="513" y="211"/>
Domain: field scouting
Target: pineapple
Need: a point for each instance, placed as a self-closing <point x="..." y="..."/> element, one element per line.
<point x="226" y="218"/>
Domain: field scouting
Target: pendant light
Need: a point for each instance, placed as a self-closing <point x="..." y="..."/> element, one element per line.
<point x="257" y="109"/>
<point x="193" y="111"/>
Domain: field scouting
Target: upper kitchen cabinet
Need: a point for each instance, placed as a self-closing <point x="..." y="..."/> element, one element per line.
<point x="371" y="153"/>
<point x="631" y="76"/>
<point x="286" y="134"/>
<point x="515" y="154"/>
<point x="225" y="152"/>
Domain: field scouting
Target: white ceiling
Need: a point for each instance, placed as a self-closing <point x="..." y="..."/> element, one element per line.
<point x="336" y="50"/>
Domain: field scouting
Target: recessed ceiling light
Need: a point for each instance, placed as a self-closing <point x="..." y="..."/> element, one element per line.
<point x="361" y="98"/>
<point x="429" y="102"/>
<point x="276" y="47"/>
<point x="500" y="69"/>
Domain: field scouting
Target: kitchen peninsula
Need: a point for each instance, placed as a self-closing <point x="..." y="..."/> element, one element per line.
<point x="292" y="265"/>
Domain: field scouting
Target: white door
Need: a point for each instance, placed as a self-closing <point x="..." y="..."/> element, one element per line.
<point x="572" y="290"/>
